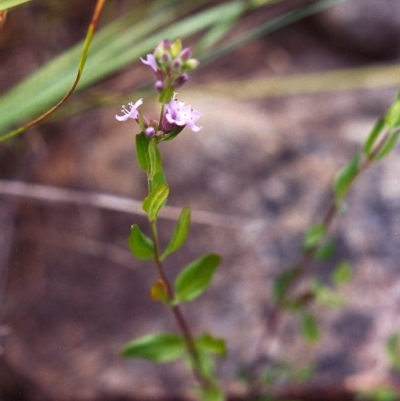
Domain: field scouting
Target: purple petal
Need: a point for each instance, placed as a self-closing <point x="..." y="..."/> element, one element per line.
<point x="129" y="111"/>
<point x="150" y="61"/>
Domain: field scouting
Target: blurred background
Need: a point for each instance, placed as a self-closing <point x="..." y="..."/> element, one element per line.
<point x="288" y="91"/>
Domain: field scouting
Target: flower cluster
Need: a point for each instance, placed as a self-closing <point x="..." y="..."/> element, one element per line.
<point x="169" y="63"/>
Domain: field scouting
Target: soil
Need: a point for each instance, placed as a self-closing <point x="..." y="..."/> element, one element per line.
<point x="256" y="176"/>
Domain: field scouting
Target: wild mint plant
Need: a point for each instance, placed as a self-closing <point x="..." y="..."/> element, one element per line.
<point x="317" y="246"/>
<point x="170" y="65"/>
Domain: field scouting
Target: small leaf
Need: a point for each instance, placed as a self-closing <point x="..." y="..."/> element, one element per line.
<point x="213" y="393"/>
<point x="373" y="136"/>
<point x="206" y="364"/>
<point x="195" y="278"/>
<point x="342" y="273"/>
<point x="166" y="95"/>
<point x="314" y="235"/>
<point x="326" y="251"/>
<point x="160" y="347"/>
<point x="154" y="201"/>
<point x="379" y="393"/>
<point x="323" y="295"/>
<point x="159" y="291"/>
<point x="392" y="117"/>
<point x="140" y="245"/>
<point x="283" y="282"/>
<point x="393" y="350"/>
<point x="345" y="177"/>
<point x="155" y="158"/>
<point x="211" y="345"/>
<point x="180" y="233"/>
<point x="388" y="146"/>
<point x="158" y="179"/>
<point x="142" y="145"/>
<point x="309" y="327"/>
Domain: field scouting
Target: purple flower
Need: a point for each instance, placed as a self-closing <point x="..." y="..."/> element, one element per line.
<point x="179" y="114"/>
<point x="130" y="111"/>
<point x="150" y="61"/>
<point x="150" y="131"/>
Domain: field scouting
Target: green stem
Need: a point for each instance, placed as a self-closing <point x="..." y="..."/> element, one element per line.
<point x="204" y="381"/>
<point x="333" y="209"/>
<point x="161" y="116"/>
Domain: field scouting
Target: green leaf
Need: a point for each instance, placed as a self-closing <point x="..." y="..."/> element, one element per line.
<point x="154" y="201"/>
<point x="195" y="278"/>
<point x="160" y="347"/>
<point x="325" y="296"/>
<point x="345" y="177"/>
<point x="392" y="117"/>
<point x="212" y="394"/>
<point x="326" y="251"/>
<point x="393" y="349"/>
<point x="388" y="146"/>
<point x="140" y="245"/>
<point x="373" y="136"/>
<point x="309" y="327"/>
<point x="211" y="345"/>
<point x="379" y="393"/>
<point x="142" y="145"/>
<point x="6" y="4"/>
<point x="157" y="180"/>
<point x="283" y="282"/>
<point x="342" y="273"/>
<point x="314" y="235"/>
<point x="180" y="233"/>
<point x="166" y="95"/>
<point x="155" y="158"/>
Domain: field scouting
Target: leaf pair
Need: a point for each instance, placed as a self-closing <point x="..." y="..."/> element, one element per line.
<point x="149" y="159"/>
<point x="165" y="347"/>
<point x="143" y="247"/>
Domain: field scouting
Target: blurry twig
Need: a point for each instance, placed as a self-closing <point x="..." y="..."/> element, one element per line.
<point x="110" y="202"/>
<point x="89" y="36"/>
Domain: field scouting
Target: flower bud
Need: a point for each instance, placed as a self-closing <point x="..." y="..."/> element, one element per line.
<point x="181" y="80"/>
<point x="150" y="131"/>
<point x="176" y="48"/>
<point x="191" y="64"/>
<point x="159" y="291"/>
<point x="186" y="54"/>
<point x="159" y="85"/>
<point x="177" y="64"/>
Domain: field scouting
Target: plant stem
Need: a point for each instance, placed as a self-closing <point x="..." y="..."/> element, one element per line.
<point x="204" y="381"/>
<point x="309" y="255"/>
<point x="333" y="209"/>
